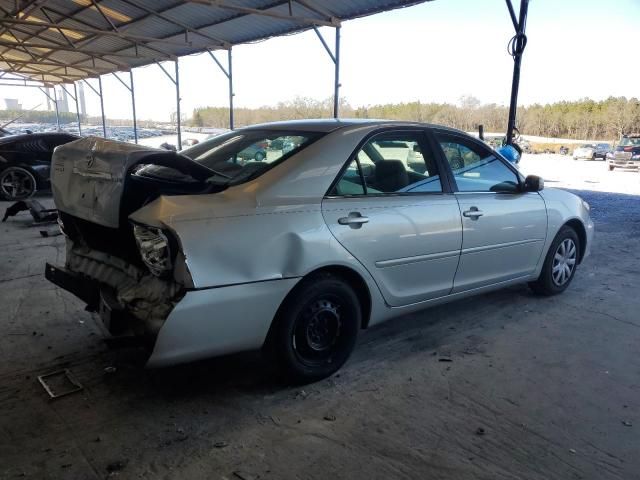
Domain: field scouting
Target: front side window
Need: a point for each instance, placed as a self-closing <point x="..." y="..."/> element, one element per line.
<point x="391" y="163"/>
<point x="475" y="168"/>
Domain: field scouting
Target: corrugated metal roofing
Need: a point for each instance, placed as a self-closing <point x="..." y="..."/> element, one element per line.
<point x="60" y="41"/>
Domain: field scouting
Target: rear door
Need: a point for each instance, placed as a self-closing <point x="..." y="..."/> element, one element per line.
<point x="503" y="228"/>
<point x="390" y="209"/>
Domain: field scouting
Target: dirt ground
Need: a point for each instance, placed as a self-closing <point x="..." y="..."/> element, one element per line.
<point x="502" y="386"/>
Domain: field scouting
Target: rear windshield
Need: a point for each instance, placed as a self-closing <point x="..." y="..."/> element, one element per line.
<point x="245" y="155"/>
<point x="626" y="141"/>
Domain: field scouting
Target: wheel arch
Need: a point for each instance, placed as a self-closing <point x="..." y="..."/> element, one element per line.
<point x="577" y="226"/>
<point x="348" y="274"/>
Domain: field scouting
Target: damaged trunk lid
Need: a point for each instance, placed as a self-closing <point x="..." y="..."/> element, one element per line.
<point x="90" y="176"/>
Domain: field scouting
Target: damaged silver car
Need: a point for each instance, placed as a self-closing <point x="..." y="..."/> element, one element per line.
<point x="212" y="251"/>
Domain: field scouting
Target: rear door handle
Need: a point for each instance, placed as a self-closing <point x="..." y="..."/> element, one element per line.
<point x="354" y="220"/>
<point x="473" y="213"/>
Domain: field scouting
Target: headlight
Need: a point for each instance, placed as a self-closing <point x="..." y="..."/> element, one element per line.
<point x="586" y="206"/>
<point x="154" y="249"/>
<point x="635" y="157"/>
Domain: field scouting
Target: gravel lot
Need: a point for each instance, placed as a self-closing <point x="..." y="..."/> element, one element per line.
<point x="532" y="388"/>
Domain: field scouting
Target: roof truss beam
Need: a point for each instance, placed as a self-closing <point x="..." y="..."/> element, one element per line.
<point x="334" y="22"/>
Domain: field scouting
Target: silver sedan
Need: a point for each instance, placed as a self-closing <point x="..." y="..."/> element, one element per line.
<point x="210" y="251"/>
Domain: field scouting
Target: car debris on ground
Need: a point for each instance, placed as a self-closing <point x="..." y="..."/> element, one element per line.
<point x="38" y="212"/>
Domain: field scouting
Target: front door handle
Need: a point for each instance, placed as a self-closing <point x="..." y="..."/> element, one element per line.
<point x="473" y="213"/>
<point x="354" y="220"/>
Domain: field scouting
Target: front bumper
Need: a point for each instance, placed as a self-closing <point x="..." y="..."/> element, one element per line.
<point x="624" y="163"/>
<point x="590" y="228"/>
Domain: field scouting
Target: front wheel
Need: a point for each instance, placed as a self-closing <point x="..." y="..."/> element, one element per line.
<point x="316" y="329"/>
<point x="559" y="265"/>
<point x="611" y="167"/>
<point x="16" y="183"/>
<point x="259" y="156"/>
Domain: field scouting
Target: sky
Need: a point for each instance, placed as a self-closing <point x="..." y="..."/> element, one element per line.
<point x="434" y="52"/>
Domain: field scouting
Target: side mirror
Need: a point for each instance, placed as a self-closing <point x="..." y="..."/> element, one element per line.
<point x="533" y="183"/>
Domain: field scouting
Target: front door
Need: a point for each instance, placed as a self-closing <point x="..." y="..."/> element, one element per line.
<point x="503" y="228"/>
<point x="390" y="211"/>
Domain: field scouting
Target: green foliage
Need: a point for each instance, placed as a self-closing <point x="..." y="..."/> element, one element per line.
<point x="36" y="116"/>
<point x="582" y="119"/>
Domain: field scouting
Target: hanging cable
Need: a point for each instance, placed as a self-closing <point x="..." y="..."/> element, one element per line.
<point x="516" y="47"/>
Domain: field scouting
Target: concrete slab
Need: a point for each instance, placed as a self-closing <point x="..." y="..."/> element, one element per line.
<point x="553" y="383"/>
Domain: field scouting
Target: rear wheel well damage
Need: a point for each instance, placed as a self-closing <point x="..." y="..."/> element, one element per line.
<point x="578" y="227"/>
<point x="350" y="276"/>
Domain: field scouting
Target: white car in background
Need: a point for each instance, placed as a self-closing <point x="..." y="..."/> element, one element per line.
<point x="592" y="151"/>
<point x="205" y="254"/>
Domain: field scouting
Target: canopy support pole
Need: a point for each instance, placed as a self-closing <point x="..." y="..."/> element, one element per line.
<point x="228" y="72"/>
<point x="54" y="99"/>
<point x="75" y="99"/>
<point x="133" y="101"/>
<point x="231" y="93"/>
<point x="176" y="82"/>
<point x="99" y="94"/>
<point x="335" y="58"/>
<point x="133" y="107"/>
<point x="517" y="46"/>
<point x="75" y="93"/>
<point x="104" y="122"/>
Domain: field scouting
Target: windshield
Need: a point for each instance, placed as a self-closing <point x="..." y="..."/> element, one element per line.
<point x="244" y="155"/>
<point x="626" y="141"/>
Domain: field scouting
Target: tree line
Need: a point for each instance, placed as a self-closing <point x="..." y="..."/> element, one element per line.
<point x="582" y="119"/>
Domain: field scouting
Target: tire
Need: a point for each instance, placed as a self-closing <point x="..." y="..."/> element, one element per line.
<point x="611" y="167"/>
<point x="315" y="330"/>
<point x="17" y="183"/>
<point x="560" y="264"/>
<point x="259" y="156"/>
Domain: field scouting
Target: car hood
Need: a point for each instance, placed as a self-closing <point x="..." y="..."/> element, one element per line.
<point x="89" y="176"/>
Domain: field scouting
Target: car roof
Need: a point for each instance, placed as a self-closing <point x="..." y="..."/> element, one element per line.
<point x="33" y="136"/>
<point x="326" y="125"/>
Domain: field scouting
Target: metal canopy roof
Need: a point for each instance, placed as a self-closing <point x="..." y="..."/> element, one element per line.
<point x="63" y="41"/>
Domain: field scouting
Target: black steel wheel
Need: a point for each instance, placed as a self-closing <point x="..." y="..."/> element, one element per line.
<point x="16" y="183"/>
<point x="316" y="328"/>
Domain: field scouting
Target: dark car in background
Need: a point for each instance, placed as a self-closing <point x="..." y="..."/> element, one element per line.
<point x="626" y="154"/>
<point x="25" y="163"/>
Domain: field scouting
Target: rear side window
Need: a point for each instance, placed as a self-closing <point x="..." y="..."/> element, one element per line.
<point x="391" y="163"/>
<point x="476" y="168"/>
<point x="246" y="154"/>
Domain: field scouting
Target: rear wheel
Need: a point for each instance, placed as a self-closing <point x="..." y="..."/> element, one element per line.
<point x="559" y="265"/>
<point x="16" y="183"/>
<point x="259" y="156"/>
<point x="316" y="329"/>
<point x="611" y="167"/>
